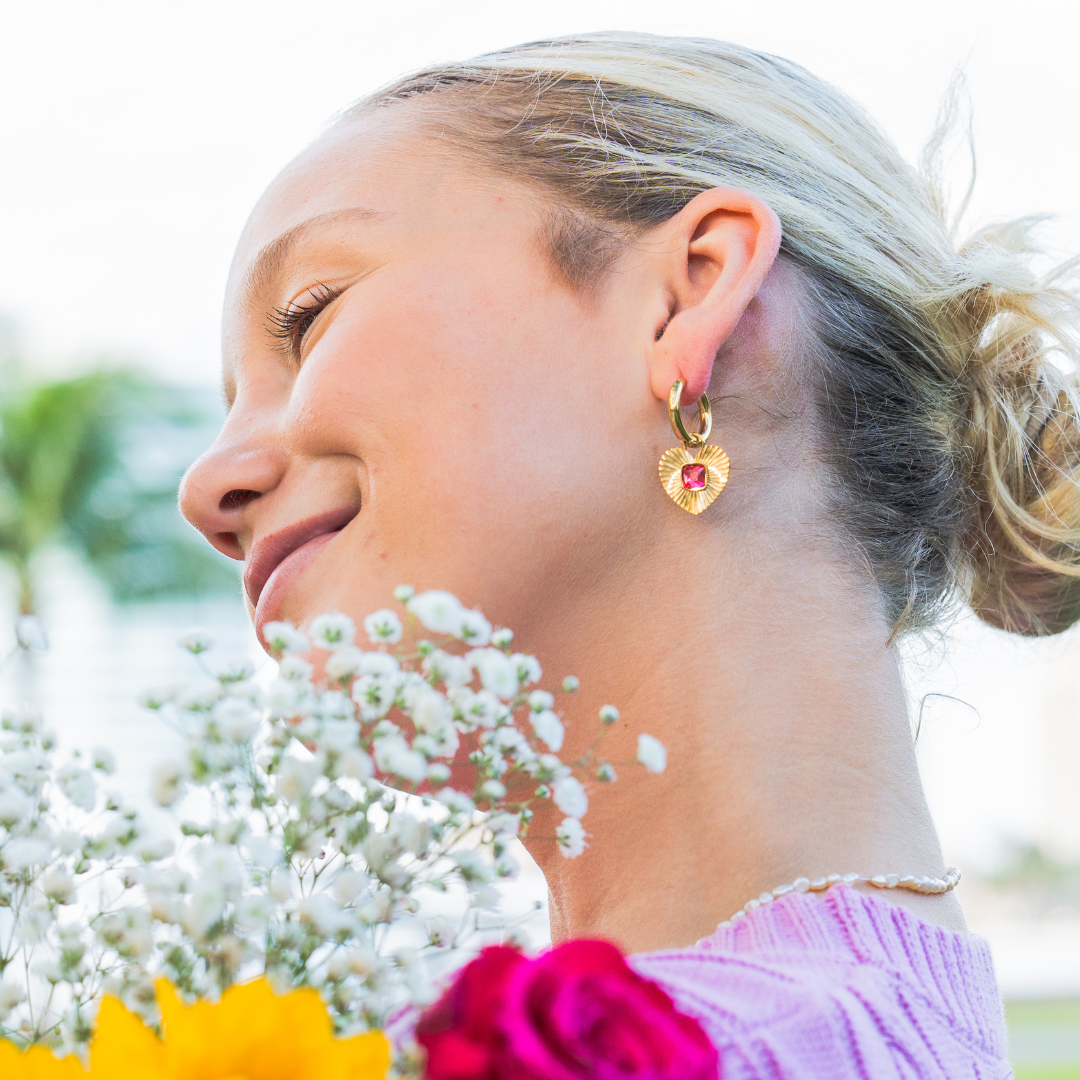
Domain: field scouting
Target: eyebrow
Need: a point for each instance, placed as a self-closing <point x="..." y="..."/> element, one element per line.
<point x="270" y="260"/>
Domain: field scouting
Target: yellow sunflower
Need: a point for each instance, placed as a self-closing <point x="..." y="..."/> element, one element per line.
<point x="250" y="1034"/>
<point x="37" y="1063"/>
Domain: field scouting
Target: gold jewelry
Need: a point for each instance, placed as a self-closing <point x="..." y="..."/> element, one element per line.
<point x="695" y="473"/>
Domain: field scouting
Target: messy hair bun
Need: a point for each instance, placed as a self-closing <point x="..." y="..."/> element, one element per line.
<point x="945" y="375"/>
<point x="1024" y="437"/>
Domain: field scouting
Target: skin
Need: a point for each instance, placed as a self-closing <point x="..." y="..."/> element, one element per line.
<point x="501" y="430"/>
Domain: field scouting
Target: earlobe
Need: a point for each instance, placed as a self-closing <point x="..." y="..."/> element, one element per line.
<point x="725" y="243"/>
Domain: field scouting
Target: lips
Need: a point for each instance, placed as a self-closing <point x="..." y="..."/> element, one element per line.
<point x="285" y="550"/>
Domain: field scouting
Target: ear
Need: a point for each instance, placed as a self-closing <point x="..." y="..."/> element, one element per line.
<point x="725" y="242"/>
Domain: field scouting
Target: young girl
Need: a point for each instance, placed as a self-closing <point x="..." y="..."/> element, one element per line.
<point x="465" y="335"/>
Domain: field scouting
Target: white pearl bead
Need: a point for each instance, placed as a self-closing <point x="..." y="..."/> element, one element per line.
<point x="882" y="881"/>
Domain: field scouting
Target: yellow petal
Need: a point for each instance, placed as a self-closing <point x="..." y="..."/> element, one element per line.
<point x="254" y="1033"/>
<point x="363" y="1057"/>
<point x="37" y="1063"/>
<point x="124" y="1047"/>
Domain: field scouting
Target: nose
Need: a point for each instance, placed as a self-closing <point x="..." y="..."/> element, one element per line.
<point x="218" y="488"/>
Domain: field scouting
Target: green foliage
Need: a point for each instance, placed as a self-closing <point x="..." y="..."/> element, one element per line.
<point x="92" y="463"/>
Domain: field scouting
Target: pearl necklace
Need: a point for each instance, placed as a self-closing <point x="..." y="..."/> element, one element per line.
<point x="928" y="885"/>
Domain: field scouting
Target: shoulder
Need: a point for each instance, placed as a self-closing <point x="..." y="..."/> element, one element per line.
<point x="840" y="985"/>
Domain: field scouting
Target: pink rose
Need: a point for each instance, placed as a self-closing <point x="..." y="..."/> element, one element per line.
<point x="576" y="1012"/>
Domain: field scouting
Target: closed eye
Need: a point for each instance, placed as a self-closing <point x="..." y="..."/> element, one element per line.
<point x="291" y="323"/>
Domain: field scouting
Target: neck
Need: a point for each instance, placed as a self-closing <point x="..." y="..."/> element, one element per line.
<point x="789" y="747"/>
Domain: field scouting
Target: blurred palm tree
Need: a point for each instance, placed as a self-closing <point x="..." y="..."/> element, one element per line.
<point x="92" y="463"/>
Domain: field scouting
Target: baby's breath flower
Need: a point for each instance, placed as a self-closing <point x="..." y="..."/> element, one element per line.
<point x="443" y="667"/>
<point x="156" y="697"/>
<point x="403" y="593"/>
<point x="571" y="837"/>
<point x="58" y="885"/>
<point x="25" y="852"/>
<point x="549" y="728"/>
<point x="14" y="805"/>
<point x="78" y="786"/>
<point x="456" y="801"/>
<point x="503" y="823"/>
<point x="392" y="755"/>
<point x="236" y="719"/>
<point x="199" y="696"/>
<point x="441" y="932"/>
<point x="168" y="780"/>
<point x="606" y="773"/>
<point x="295" y="778"/>
<point x="332" y="631"/>
<point x="375" y="695"/>
<point x="354" y="763"/>
<point x="608" y="714"/>
<point x="345" y="663"/>
<point x="474" y="629"/>
<point x="438" y="773"/>
<point x="234" y="669"/>
<point x="103" y="760"/>
<point x="501" y="638"/>
<point x="30" y="633"/>
<point x="570" y="796"/>
<point x="383" y="627"/>
<point x="472" y="865"/>
<point x="506" y="867"/>
<point x="196" y="640"/>
<point x="438" y="611"/>
<point x="527" y="668"/>
<point x="539" y="700"/>
<point x="492" y="790"/>
<point x="498" y="672"/>
<point x="570" y="684"/>
<point x="12" y="994"/>
<point x="284" y="638"/>
<point x="651" y="753"/>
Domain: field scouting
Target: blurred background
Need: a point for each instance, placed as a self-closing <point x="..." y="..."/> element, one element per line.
<point x="136" y="139"/>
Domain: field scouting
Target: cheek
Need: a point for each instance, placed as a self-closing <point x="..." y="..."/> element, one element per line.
<point x="470" y="411"/>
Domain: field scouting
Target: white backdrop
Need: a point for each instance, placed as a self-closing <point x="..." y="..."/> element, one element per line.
<point x="136" y="135"/>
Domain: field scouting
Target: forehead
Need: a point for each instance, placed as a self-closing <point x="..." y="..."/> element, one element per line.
<point x="367" y="169"/>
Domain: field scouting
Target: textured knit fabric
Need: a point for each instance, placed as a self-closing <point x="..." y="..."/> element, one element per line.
<point x="839" y="985"/>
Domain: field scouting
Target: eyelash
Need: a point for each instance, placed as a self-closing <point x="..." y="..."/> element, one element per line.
<point x="290" y="324"/>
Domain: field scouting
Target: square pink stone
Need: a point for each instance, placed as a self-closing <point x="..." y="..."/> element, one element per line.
<point x="693" y="476"/>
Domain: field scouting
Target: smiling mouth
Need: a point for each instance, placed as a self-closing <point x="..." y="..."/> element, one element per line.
<point x="286" y="550"/>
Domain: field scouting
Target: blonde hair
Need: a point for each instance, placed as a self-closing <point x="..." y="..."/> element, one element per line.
<point x="945" y="373"/>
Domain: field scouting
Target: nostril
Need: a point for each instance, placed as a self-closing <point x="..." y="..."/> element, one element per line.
<point x="237" y="498"/>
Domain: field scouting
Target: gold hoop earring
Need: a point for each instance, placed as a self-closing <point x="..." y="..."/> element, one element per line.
<point x="695" y="473"/>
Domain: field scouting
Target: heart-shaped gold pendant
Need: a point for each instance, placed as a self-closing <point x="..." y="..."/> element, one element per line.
<point x="694" y="476"/>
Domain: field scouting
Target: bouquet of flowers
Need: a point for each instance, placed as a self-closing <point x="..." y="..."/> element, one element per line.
<point x="340" y="835"/>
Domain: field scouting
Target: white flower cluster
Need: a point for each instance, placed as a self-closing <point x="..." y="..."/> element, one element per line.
<point x="70" y="859"/>
<point x="321" y="817"/>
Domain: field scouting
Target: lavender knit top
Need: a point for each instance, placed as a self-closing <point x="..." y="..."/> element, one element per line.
<point x="839" y="985"/>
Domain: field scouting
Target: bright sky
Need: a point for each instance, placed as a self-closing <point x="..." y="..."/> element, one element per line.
<point x="138" y="135"/>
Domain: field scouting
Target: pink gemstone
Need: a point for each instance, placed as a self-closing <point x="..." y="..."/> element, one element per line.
<point x="693" y="477"/>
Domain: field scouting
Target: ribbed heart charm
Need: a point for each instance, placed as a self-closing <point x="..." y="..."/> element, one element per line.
<point x="694" y="476"/>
